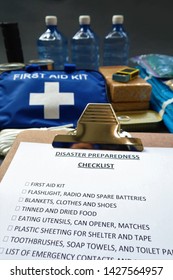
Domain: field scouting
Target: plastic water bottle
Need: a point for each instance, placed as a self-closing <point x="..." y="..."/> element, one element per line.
<point x="85" y="46"/>
<point x="52" y="44"/>
<point x="116" y="44"/>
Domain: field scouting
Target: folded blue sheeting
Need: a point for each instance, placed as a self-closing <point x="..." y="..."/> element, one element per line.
<point x="161" y="98"/>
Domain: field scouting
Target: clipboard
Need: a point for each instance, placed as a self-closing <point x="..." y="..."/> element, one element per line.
<point x="90" y="126"/>
<point x="42" y="136"/>
<point x="45" y="136"/>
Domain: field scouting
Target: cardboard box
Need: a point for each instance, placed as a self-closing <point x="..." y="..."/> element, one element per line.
<point x="130" y="106"/>
<point x="136" y="90"/>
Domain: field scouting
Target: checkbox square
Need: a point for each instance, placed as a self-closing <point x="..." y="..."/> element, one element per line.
<point x="21" y="199"/>
<point x="1" y="250"/>
<point x="5" y="239"/>
<point x="10" y="228"/>
<point x="24" y="191"/>
<point x="13" y="218"/>
<point x="27" y="184"/>
<point x="17" y="208"/>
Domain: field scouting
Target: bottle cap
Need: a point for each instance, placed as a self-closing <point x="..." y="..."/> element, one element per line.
<point x="84" y="19"/>
<point x="51" y="20"/>
<point x="118" y="19"/>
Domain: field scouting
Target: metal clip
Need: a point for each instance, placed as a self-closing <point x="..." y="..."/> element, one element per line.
<point x="98" y="125"/>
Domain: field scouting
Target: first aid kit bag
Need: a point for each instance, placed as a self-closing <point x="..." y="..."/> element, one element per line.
<point x="35" y="98"/>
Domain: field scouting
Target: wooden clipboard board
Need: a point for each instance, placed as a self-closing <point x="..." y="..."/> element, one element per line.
<point x="44" y="136"/>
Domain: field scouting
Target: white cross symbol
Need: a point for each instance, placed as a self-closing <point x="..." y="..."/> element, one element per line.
<point x="51" y="98"/>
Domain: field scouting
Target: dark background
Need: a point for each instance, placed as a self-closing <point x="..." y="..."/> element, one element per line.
<point x="148" y="23"/>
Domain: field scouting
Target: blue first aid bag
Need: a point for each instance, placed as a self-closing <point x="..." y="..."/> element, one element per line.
<point x="33" y="98"/>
